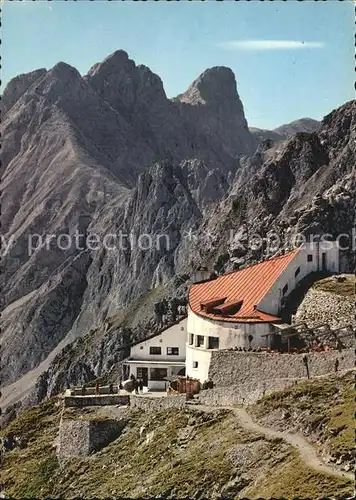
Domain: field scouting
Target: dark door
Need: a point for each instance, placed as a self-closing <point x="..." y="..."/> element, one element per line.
<point x="323" y="261"/>
<point x="143" y="374"/>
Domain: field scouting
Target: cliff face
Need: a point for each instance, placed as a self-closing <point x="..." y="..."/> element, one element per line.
<point x="304" y="185"/>
<point x="109" y="154"/>
<point x="214" y="108"/>
<point x="103" y="153"/>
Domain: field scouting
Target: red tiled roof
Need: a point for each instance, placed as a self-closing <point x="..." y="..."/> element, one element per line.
<point x="249" y="285"/>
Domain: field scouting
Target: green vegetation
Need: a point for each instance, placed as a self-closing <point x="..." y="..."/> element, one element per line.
<point x="345" y="288"/>
<point x="183" y="452"/>
<point x="294" y="480"/>
<point x="26" y="472"/>
<point x="324" y="406"/>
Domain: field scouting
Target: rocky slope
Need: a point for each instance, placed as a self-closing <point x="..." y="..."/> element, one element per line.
<point x="329" y="301"/>
<point x="187" y="453"/>
<point x="306" y="185"/>
<point x="302" y="125"/>
<point x="286" y="131"/>
<point x="99" y="154"/>
<point x="182" y="172"/>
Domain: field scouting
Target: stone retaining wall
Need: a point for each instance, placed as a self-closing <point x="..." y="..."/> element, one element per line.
<point x="112" y="399"/>
<point x="82" y="437"/>
<point x="91" y="391"/>
<point x="150" y="403"/>
<point x="231" y="368"/>
<point x="319" y="306"/>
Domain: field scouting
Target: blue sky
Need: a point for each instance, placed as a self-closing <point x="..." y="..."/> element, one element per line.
<point x="291" y="59"/>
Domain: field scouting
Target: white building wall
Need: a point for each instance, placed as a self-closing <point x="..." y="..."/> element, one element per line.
<point x="271" y="303"/>
<point x="175" y="336"/>
<point x="332" y="255"/>
<point x="202" y="357"/>
<point x="230" y="335"/>
<point x="237" y="334"/>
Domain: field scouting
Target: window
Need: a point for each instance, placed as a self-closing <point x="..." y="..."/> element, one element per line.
<point x="195" y="364"/>
<point x="200" y="341"/>
<point x="297" y="272"/>
<point x="158" y="374"/>
<point x="285" y="289"/>
<point x="191" y="339"/>
<point x="310" y="257"/>
<point x="155" y="350"/>
<point x="173" y="351"/>
<point x="213" y="343"/>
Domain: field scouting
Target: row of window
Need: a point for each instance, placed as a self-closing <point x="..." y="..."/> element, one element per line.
<point x="213" y="342"/>
<point x="171" y="351"/>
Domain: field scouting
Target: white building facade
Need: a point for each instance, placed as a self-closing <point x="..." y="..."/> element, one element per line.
<point x="159" y="358"/>
<point x="207" y="331"/>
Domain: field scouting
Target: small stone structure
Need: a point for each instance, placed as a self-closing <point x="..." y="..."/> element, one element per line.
<point x="99" y="400"/>
<point x="83" y="437"/>
<point x="149" y="403"/>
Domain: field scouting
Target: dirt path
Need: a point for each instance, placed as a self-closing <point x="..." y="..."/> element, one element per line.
<point x="305" y="449"/>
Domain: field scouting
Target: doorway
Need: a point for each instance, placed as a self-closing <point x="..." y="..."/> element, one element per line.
<point x="323" y="261"/>
<point x="142" y="373"/>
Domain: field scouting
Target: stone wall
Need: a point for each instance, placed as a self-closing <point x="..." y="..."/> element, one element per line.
<point x="112" y="399"/>
<point x="82" y="437"/>
<point x="231" y="368"/>
<point x="150" y="403"/>
<point x="91" y="391"/>
<point x="325" y="307"/>
<point x="244" y="393"/>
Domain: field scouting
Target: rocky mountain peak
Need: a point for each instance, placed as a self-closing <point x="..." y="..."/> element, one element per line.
<point x="64" y="71"/>
<point x="63" y="82"/>
<point x="213" y="104"/>
<point x="18" y="86"/>
<point x="213" y="86"/>
<point x="111" y="64"/>
<point x="123" y="84"/>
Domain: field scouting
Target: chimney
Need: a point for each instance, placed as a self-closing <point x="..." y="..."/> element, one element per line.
<point x="202" y="274"/>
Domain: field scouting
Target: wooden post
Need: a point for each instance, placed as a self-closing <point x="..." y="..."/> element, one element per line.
<point x="288" y="342"/>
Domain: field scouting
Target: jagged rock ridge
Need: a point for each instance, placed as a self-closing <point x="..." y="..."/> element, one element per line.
<point x="96" y="154"/>
<point x="183" y="168"/>
<point x="286" y="131"/>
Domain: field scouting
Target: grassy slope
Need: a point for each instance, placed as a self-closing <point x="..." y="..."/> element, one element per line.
<point x="345" y="288"/>
<point x="219" y="458"/>
<point x="26" y="472"/>
<point x="325" y="408"/>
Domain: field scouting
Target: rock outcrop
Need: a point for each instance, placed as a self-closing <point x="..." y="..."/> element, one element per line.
<point x="213" y="106"/>
<point x="302" y="125"/>
<point x="103" y="153"/>
<point x="286" y="131"/>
